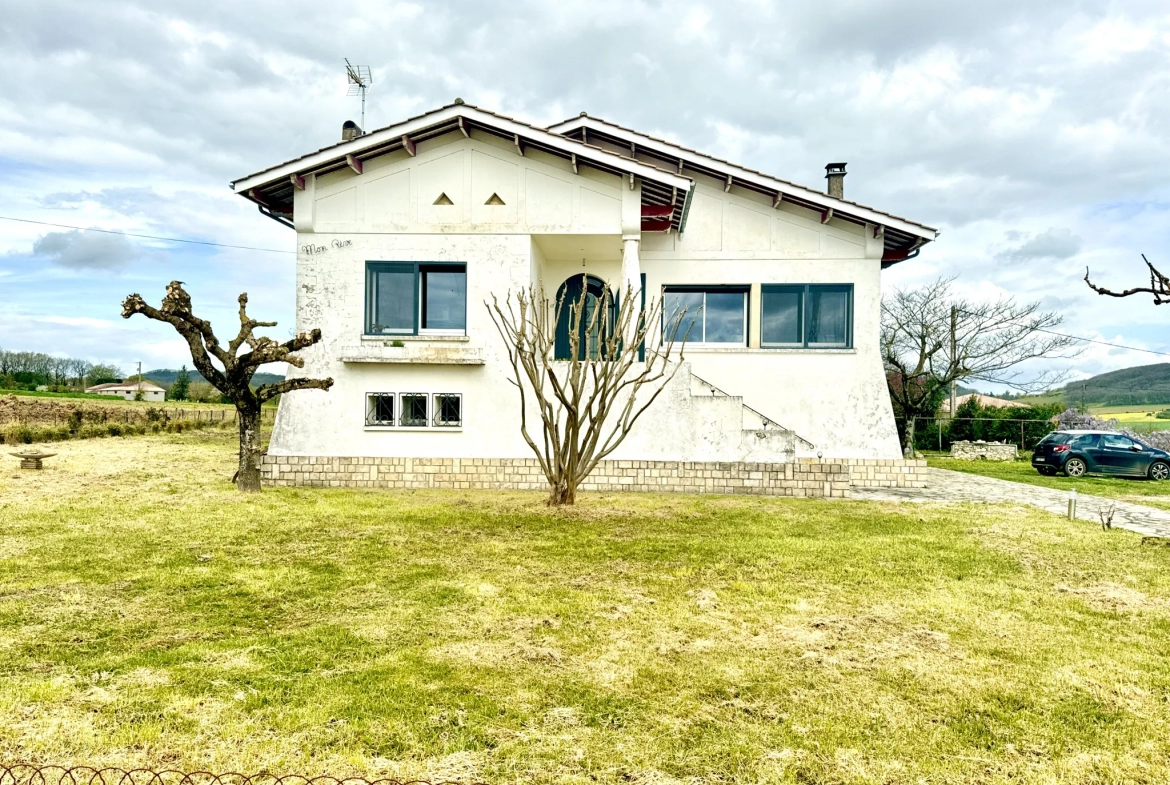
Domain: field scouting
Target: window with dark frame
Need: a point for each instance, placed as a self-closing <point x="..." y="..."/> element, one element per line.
<point x="380" y="410"/>
<point x="706" y="315"/>
<point x="448" y="410"/>
<point x="416" y="298"/>
<point x="413" y="411"/>
<point x="806" y="316"/>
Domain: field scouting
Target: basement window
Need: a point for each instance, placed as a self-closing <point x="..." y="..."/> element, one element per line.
<point x="416" y="298"/>
<point x="706" y="315"/>
<point x="414" y="410"/>
<point x="380" y="410"/>
<point x="806" y="316"/>
<point x="448" y="410"/>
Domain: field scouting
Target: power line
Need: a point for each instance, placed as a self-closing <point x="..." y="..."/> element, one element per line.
<point x="143" y="236"/>
<point x="1086" y="340"/>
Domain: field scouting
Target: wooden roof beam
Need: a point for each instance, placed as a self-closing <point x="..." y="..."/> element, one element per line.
<point x="826" y="215"/>
<point x="409" y="146"/>
<point x="518" y="143"/>
<point x="297" y="181"/>
<point x="354" y="163"/>
<point x="463" y="127"/>
<point x="777" y="199"/>
<point x="727" y="186"/>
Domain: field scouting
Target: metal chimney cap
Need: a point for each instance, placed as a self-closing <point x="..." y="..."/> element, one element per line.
<point x="832" y="169"/>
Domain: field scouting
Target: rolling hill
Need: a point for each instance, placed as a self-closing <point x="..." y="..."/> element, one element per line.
<point x="1141" y="385"/>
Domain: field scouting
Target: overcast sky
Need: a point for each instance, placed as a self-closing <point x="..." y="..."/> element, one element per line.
<point x="1034" y="134"/>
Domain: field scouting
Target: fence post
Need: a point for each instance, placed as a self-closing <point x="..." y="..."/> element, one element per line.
<point x="938" y="427"/>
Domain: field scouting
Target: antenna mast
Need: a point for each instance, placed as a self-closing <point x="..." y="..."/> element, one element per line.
<point x="359" y="81"/>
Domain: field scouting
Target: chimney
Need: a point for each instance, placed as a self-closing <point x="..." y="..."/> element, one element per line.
<point x="835" y="174"/>
<point x="350" y="131"/>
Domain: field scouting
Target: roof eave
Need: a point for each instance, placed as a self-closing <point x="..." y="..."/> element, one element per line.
<point x="760" y="181"/>
<point x="390" y="138"/>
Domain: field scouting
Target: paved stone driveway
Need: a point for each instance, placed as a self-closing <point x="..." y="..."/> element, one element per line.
<point x="944" y="485"/>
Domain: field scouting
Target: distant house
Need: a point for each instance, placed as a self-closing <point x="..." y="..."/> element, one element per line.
<point x="984" y="400"/>
<point x="129" y="390"/>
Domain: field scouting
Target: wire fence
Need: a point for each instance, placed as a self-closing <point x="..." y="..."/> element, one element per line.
<point x="942" y="431"/>
<point x="31" y="774"/>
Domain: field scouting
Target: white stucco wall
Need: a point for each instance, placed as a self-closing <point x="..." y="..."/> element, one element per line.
<point x="553" y="219"/>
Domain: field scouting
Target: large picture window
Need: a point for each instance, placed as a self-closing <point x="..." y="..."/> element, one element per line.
<point x="412" y="298"/>
<point x="710" y="316"/>
<point x="806" y="316"/>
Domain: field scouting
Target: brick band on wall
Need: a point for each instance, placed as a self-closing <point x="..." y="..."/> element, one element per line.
<point x="806" y="479"/>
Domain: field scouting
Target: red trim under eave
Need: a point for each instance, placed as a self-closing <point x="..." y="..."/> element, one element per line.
<point x="889" y="257"/>
<point x="657" y="210"/>
<point x="655" y="224"/>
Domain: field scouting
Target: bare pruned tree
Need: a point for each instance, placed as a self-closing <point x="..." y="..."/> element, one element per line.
<point x="588" y="402"/>
<point x="931" y="338"/>
<point x="235" y="379"/>
<point x="1159" y="286"/>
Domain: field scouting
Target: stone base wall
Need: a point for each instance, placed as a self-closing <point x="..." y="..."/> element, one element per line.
<point x="801" y="478"/>
<point x="983" y="451"/>
<point x="885" y="473"/>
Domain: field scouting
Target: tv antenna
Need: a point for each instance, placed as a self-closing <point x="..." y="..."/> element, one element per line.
<point x="359" y="81"/>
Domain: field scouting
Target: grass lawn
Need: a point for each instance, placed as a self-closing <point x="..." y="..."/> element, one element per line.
<point x="149" y="615"/>
<point x="1155" y="494"/>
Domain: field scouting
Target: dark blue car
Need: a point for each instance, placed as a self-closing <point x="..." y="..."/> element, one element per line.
<point x="1076" y="453"/>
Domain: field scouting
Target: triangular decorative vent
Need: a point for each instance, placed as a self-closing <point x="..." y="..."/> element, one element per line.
<point x="495" y="199"/>
<point x="443" y="199"/>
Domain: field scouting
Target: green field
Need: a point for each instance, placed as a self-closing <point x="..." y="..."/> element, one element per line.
<point x="152" y="616"/>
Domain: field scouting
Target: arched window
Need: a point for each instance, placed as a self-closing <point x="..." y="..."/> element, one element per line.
<point x="600" y="315"/>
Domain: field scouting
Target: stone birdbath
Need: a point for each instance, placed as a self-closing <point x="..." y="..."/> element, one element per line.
<point x="32" y="458"/>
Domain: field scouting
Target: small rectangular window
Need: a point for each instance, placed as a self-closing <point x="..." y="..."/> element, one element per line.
<point x="448" y="410"/>
<point x="414" y="410"/>
<point x="380" y="409"/>
<point x="409" y="298"/>
<point x="806" y="316"/>
<point x="706" y="316"/>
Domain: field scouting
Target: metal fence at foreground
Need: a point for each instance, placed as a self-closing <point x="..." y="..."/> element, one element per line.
<point x="32" y="774"/>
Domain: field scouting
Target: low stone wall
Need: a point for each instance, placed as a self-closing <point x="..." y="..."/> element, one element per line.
<point x="885" y="472"/>
<point x="801" y="478"/>
<point x="983" y="451"/>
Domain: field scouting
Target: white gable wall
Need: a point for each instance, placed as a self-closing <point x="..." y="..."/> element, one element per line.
<point x="835" y="398"/>
<point x="549" y="215"/>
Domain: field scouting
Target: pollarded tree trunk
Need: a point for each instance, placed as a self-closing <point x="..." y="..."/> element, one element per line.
<point x="908" y="444"/>
<point x="233" y="376"/>
<point x="248" y="417"/>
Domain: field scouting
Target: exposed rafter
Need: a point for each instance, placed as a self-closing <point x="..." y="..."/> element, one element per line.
<point x="518" y="143"/>
<point x="408" y="145"/>
<point x="727" y="185"/>
<point x="463" y="127"/>
<point x="297" y="181"/>
<point x="826" y="215"/>
<point x="354" y="163"/>
<point x="573" y="160"/>
<point x="777" y="199"/>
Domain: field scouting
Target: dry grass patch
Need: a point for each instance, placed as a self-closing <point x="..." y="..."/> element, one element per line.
<point x="150" y="615"/>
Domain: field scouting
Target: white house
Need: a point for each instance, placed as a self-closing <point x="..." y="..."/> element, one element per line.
<point x="130" y="390"/>
<point x="403" y="233"/>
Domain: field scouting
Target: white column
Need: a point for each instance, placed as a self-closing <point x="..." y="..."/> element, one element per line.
<point x="631" y="267"/>
<point x="631" y="281"/>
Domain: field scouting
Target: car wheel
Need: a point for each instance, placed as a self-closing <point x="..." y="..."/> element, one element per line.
<point x="1159" y="470"/>
<point x="1075" y="467"/>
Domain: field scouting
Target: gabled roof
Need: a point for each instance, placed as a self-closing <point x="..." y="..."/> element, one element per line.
<point x="272" y="188"/>
<point x="666" y="186"/>
<point x="144" y="385"/>
<point x="901" y="234"/>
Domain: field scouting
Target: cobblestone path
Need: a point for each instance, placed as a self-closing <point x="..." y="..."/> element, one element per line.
<point x="944" y="485"/>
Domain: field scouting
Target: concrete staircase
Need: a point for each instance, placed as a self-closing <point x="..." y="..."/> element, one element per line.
<point x="694" y="420"/>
